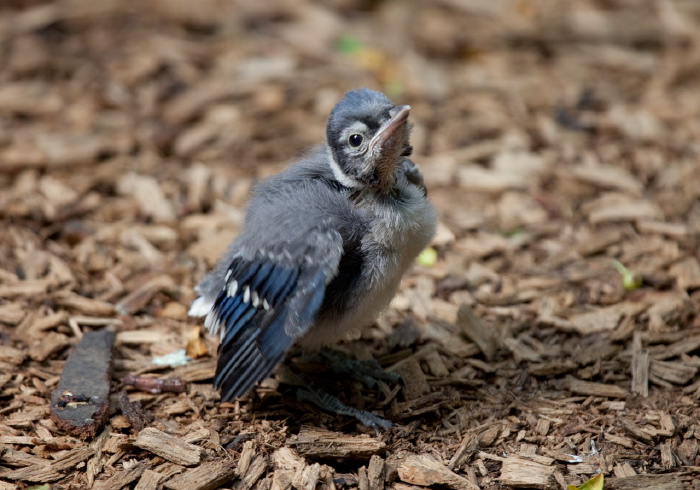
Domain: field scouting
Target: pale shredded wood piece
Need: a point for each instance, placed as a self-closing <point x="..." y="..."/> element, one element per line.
<point x="207" y="476"/>
<point x="320" y="443"/>
<point x="424" y="470"/>
<point x="168" y="447"/>
<point x="594" y="389"/>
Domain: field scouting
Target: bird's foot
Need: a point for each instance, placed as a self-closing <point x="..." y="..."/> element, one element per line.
<point x="310" y="392"/>
<point x="367" y="372"/>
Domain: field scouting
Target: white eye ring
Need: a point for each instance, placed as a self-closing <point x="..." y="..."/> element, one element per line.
<point x="355" y="140"/>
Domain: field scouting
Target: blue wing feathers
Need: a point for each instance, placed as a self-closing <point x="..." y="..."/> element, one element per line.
<point x="306" y="305"/>
<point x="262" y="275"/>
<point x="229" y="360"/>
<point x="227" y="307"/>
<point x="247" y="273"/>
<point x="255" y="337"/>
<point x="240" y="323"/>
<point x="279" y="284"/>
<point x="274" y="340"/>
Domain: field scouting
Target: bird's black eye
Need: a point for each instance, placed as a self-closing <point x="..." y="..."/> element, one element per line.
<point x="355" y="140"/>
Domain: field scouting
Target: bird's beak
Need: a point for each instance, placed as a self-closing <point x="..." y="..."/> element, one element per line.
<point x="399" y="115"/>
<point x="387" y="149"/>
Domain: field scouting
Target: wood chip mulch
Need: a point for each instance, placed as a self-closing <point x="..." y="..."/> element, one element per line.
<point x="556" y="337"/>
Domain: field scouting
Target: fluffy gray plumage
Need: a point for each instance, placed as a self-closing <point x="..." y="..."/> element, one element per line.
<point x="323" y="247"/>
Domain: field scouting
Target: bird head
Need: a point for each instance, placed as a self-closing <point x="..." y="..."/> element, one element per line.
<point x="367" y="136"/>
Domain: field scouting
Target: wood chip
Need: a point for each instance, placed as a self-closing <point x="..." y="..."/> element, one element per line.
<point x="624" y="470"/>
<point x="49" y="471"/>
<point x="80" y="402"/>
<point x="594" y="389"/>
<point x="11" y="313"/>
<point x="623" y="209"/>
<point x="436" y="364"/>
<point x="521" y="351"/>
<point x="667" y="424"/>
<point x="469" y="443"/>
<point x="86" y="306"/>
<point x="140" y="297"/>
<point x="636" y="431"/>
<point x="206" y="476"/>
<point x="256" y="468"/>
<point x="645" y="482"/>
<point x="668" y="460"/>
<point x="12" y="457"/>
<point x="551" y="368"/>
<point x="12" y="355"/>
<point x="677" y="348"/>
<point x="424" y="470"/>
<point x="620" y="440"/>
<point x="668" y="309"/>
<point x="24" y="289"/>
<point x="687" y="273"/>
<point x="288" y="464"/>
<point x="412" y="374"/>
<point x="605" y="319"/>
<point x="150" y="480"/>
<point x="319" y="443"/>
<point x="640" y="367"/>
<point x="608" y="177"/>
<point x="36" y="329"/>
<point x="308" y="477"/>
<point x="134" y="412"/>
<point x="599" y="241"/>
<point x="7" y="486"/>
<point x="376" y="473"/>
<point x="168" y="447"/>
<point x="471" y="326"/>
<point x="247" y="456"/>
<point x="96" y="463"/>
<point x="362" y="479"/>
<point x="523" y="473"/>
<point x="678" y="373"/>
<point x="49" y="344"/>
<point x="195" y="371"/>
<point x="663" y="228"/>
<point x="542" y="427"/>
<point x="122" y="478"/>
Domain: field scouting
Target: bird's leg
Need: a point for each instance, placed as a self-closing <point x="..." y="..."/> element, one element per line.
<point x="313" y="393"/>
<point x="367" y="372"/>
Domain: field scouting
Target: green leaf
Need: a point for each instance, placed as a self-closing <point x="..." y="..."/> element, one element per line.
<point x="631" y="280"/>
<point x="45" y="486"/>
<point x="348" y="44"/>
<point x="427" y="257"/>
<point x="595" y="483"/>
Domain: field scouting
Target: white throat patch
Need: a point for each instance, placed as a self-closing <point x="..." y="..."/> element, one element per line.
<point x="341" y="176"/>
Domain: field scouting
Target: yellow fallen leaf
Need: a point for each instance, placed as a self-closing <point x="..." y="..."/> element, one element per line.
<point x="196" y="347"/>
<point x="595" y="483"/>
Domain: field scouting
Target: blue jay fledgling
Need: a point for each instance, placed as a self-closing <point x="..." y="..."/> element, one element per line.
<point x="323" y="246"/>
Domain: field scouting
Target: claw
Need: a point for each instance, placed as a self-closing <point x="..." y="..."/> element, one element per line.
<point x="328" y="402"/>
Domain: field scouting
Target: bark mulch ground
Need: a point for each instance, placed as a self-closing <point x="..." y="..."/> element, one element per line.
<point x="555" y="337"/>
